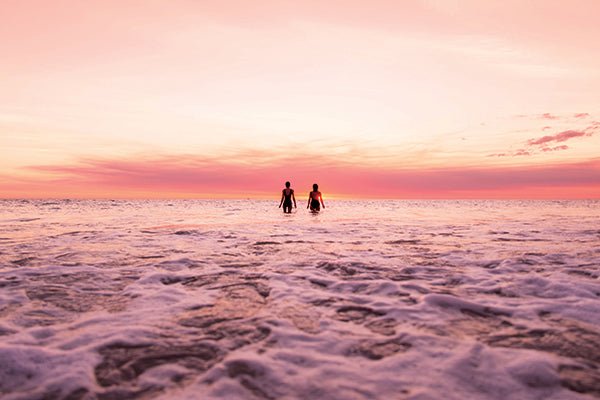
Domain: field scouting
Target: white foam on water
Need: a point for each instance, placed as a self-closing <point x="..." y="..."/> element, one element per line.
<point x="371" y="299"/>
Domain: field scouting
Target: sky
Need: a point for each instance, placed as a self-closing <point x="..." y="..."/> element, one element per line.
<point x="369" y="99"/>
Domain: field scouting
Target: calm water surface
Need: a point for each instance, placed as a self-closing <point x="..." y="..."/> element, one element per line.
<point x="366" y="300"/>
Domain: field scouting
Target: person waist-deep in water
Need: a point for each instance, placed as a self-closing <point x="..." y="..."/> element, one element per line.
<point x="287" y="195"/>
<point x="314" y="198"/>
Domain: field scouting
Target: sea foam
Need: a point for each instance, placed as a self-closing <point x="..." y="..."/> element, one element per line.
<point x="234" y="299"/>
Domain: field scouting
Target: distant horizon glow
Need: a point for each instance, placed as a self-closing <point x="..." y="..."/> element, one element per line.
<point x="426" y="99"/>
<point x="198" y="178"/>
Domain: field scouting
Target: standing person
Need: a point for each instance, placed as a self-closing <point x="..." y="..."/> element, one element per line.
<point x="287" y="195"/>
<point x="313" y="199"/>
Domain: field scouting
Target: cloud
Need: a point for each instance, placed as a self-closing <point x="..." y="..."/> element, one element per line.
<point x="520" y="152"/>
<point x="559" y="137"/>
<point x="549" y="116"/>
<point x="554" y="117"/>
<point x="544" y="143"/>
<point x="556" y="148"/>
<point x="173" y="177"/>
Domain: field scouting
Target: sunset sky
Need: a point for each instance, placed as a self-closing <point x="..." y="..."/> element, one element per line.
<point x="376" y="99"/>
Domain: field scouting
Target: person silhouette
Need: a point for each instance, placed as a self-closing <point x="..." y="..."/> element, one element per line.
<point x="287" y="195"/>
<point x="313" y="199"/>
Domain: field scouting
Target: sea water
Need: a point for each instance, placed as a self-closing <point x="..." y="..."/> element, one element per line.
<point x="234" y="300"/>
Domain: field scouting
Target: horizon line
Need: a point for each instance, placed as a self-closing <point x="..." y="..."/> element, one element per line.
<point x="329" y="198"/>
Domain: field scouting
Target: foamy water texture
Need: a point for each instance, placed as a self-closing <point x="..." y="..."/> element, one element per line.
<point x="234" y="300"/>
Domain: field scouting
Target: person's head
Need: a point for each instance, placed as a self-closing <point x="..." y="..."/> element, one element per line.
<point x="315" y="187"/>
<point x="287" y="184"/>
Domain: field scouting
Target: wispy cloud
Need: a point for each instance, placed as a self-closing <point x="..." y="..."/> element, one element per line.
<point x="581" y="115"/>
<point x="554" y="117"/>
<point x="545" y="143"/>
<point x="556" y="148"/>
<point x="549" y="116"/>
<point x="522" y="152"/>
<point x="559" y="137"/>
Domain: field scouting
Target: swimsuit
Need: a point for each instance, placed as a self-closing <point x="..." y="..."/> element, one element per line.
<point x="314" y="204"/>
<point x="287" y="198"/>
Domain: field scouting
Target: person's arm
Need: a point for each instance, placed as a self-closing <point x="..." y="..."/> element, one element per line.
<point x="281" y="202"/>
<point x="294" y="198"/>
<point x="308" y="205"/>
<point x="321" y="197"/>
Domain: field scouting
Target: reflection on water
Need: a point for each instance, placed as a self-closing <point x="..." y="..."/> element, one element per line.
<point x="233" y="299"/>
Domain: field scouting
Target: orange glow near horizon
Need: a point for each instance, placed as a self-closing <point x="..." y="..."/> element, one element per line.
<point x="198" y="178"/>
<point x="220" y="99"/>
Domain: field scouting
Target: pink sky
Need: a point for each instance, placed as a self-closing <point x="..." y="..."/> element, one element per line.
<point x="386" y="99"/>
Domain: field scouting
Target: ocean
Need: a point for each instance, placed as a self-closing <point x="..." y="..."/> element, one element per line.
<point x="232" y="299"/>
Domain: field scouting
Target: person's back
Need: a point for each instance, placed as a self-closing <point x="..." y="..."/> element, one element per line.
<point x="287" y="195"/>
<point x="315" y="199"/>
